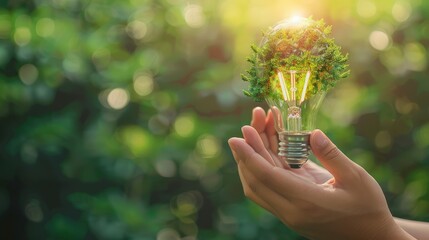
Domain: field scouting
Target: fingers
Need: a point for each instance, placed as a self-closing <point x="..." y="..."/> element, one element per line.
<point x="338" y="164"/>
<point x="271" y="132"/>
<point x="279" y="180"/>
<point x="258" y="119"/>
<point x="254" y="140"/>
<point x="264" y="125"/>
<point x="253" y="191"/>
<point x="232" y="143"/>
<point x="258" y="122"/>
<point x="269" y="123"/>
<point x="252" y="195"/>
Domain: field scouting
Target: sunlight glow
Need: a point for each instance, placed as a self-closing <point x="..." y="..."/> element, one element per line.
<point x="297" y="19"/>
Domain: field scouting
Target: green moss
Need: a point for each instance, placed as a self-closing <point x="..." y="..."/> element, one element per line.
<point x="301" y="47"/>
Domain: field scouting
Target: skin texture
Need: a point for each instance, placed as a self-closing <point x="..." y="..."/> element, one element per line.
<point x="419" y="230"/>
<point x="339" y="201"/>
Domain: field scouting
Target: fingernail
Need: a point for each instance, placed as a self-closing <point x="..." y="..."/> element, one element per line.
<point x="320" y="139"/>
<point x="243" y="131"/>
<point x="231" y="145"/>
<point x="233" y="150"/>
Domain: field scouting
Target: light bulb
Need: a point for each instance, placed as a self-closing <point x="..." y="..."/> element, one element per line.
<point x="294" y="115"/>
<point x="293" y="67"/>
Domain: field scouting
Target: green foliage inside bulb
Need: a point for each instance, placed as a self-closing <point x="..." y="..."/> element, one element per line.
<point x="303" y="46"/>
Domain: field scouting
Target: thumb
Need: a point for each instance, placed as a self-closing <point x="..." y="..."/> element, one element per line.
<point x="338" y="164"/>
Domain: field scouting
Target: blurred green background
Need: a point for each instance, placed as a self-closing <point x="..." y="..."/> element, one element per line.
<point x="115" y="115"/>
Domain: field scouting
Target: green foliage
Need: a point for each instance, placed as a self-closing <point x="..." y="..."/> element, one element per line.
<point x="302" y="46"/>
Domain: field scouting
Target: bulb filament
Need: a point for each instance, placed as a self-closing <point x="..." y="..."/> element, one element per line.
<point x="294" y="111"/>
<point x="291" y="100"/>
<point x="293" y="86"/>
<point x="304" y="90"/>
<point x="283" y="86"/>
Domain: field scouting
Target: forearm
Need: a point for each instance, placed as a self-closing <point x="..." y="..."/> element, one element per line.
<point x="419" y="230"/>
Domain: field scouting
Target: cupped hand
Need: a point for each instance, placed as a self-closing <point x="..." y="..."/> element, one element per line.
<point x="341" y="202"/>
<point x="264" y="125"/>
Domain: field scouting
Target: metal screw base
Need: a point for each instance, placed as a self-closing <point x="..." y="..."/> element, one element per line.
<point x="294" y="148"/>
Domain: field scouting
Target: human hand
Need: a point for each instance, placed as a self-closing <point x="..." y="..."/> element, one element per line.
<point x="264" y="125"/>
<point x="348" y="204"/>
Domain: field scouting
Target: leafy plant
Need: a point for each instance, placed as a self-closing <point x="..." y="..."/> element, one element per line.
<point x="299" y="46"/>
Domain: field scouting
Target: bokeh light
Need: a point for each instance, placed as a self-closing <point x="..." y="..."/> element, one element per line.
<point x="383" y="139"/>
<point x="28" y="74"/>
<point x="366" y="8"/>
<point x="194" y="15"/>
<point x="168" y="234"/>
<point x="33" y="211"/>
<point x="401" y="10"/>
<point x="143" y="85"/>
<point x="45" y="27"/>
<point x="184" y="125"/>
<point x="136" y="29"/>
<point x="118" y="98"/>
<point x="379" y="40"/>
<point x="165" y="168"/>
<point x="22" y="36"/>
<point x="208" y="146"/>
<point x="416" y="55"/>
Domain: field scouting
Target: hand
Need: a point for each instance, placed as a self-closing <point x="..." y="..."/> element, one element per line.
<point x="264" y="125"/>
<point x="348" y="204"/>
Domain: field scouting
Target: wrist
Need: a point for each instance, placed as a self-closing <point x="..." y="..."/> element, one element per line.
<point x="391" y="230"/>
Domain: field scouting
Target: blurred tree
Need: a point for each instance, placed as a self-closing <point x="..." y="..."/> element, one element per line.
<point x="115" y="114"/>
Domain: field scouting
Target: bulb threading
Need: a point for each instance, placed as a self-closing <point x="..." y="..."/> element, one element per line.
<point x="294" y="148"/>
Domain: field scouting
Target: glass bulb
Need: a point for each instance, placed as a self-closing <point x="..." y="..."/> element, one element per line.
<point x="294" y="66"/>
<point x="295" y="115"/>
<point x="295" y="103"/>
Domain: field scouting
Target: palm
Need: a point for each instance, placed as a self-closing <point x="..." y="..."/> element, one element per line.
<point x="264" y="125"/>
